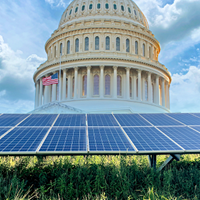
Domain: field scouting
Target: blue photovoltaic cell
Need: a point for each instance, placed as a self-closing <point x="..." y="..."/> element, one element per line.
<point x="22" y="139"/>
<point x="150" y="139"/>
<point x="67" y="139"/>
<point x="108" y="139"/>
<point x="11" y="119"/>
<point x="185" y="118"/>
<point x="39" y="120"/>
<point x="160" y="119"/>
<point x="3" y="130"/>
<point x="196" y="114"/>
<point x="71" y="120"/>
<point x="101" y="120"/>
<point x="184" y="136"/>
<point x="131" y="120"/>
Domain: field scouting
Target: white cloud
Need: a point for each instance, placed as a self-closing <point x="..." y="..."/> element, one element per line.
<point x="16" y="79"/>
<point x="185" y="91"/>
<point x="56" y="3"/>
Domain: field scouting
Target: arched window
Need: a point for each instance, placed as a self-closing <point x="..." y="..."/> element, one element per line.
<point x="122" y="8"/>
<point x="76" y="9"/>
<point x="143" y="48"/>
<point x="83" y="7"/>
<point x="96" y="43"/>
<point x="96" y="85"/>
<point x="149" y="52"/>
<point x="86" y="44"/>
<point x="90" y="6"/>
<point x="77" y="45"/>
<point x="68" y="47"/>
<point x="137" y="88"/>
<point x="54" y="51"/>
<point x="119" y="85"/>
<point x="146" y="90"/>
<point x="70" y="12"/>
<point x="152" y="96"/>
<point x="61" y="48"/>
<point x="98" y="6"/>
<point x="129" y="10"/>
<point x="115" y="6"/>
<point x="136" y="47"/>
<point x="127" y="45"/>
<point x="117" y="44"/>
<point x="107" y="43"/>
<point x="135" y="12"/>
<point x="107" y="84"/>
<point x="107" y="6"/>
<point x="130" y="82"/>
<point x="84" y="83"/>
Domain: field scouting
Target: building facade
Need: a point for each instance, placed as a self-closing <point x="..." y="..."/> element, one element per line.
<point x="107" y="60"/>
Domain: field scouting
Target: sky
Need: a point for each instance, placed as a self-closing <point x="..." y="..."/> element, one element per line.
<point x="25" y="26"/>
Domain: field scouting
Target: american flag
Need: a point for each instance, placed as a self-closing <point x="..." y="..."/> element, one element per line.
<point x="50" y="80"/>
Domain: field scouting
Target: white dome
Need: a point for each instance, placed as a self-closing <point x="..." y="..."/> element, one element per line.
<point x="108" y="9"/>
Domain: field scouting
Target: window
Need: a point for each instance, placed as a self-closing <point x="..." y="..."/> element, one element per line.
<point x="107" y="84"/>
<point x="77" y="45"/>
<point x="107" y="6"/>
<point x="96" y="43"/>
<point x="129" y="10"/>
<point x="146" y="90"/>
<point x="84" y="93"/>
<point x="107" y="43"/>
<point x="122" y="8"/>
<point x="98" y="6"/>
<point x="86" y="44"/>
<point x="135" y="12"/>
<point x="143" y="50"/>
<point x="68" y="47"/>
<point x="54" y="51"/>
<point x="70" y="12"/>
<point x="115" y="7"/>
<point x="83" y="7"/>
<point x="90" y="6"/>
<point x="96" y="85"/>
<point x="119" y="85"/>
<point x="130" y="82"/>
<point x="117" y="44"/>
<point x="61" y="48"/>
<point x="136" y="47"/>
<point x="149" y="52"/>
<point x="137" y="88"/>
<point x="66" y="14"/>
<point x="76" y="9"/>
<point x="127" y="45"/>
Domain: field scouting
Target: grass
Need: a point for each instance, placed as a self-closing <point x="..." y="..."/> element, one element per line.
<point x="98" y="177"/>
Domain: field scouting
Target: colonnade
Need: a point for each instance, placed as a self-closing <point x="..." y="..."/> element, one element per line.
<point x="129" y="84"/>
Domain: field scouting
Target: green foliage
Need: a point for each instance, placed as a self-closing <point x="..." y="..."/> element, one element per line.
<point x="98" y="177"/>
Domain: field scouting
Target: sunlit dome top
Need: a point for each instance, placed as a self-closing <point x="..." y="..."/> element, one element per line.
<point x="107" y="9"/>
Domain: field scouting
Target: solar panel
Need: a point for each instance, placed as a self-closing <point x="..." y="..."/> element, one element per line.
<point x="184" y="136"/>
<point x="131" y="120"/>
<point x="39" y="120"/>
<point x="185" y="118"/>
<point x="65" y="139"/>
<point x="71" y="120"/>
<point x="108" y="139"/>
<point x="150" y="139"/>
<point x="3" y="130"/>
<point x="11" y="119"/>
<point x="101" y="120"/>
<point x="196" y="114"/>
<point x="22" y="139"/>
<point x="160" y="120"/>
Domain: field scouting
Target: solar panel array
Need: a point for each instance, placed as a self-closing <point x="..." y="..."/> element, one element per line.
<point x="47" y="134"/>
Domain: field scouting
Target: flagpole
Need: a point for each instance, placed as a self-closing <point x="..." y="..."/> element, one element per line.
<point x="60" y="80"/>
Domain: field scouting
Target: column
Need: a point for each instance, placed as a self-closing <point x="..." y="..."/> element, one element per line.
<point x="69" y="87"/>
<point x="134" y="87"/>
<point x="75" y="82"/>
<point x="36" y="94"/>
<point x="139" y="85"/>
<point x="64" y="85"/>
<point x="54" y="88"/>
<point x="157" y="90"/>
<point x="101" y="81"/>
<point x="169" y="96"/>
<point x="149" y="88"/>
<point x="128" y="83"/>
<point x="163" y="92"/>
<point x="41" y="92"/>
<point x="115" y="82"/>
<point x="88" y="81"/>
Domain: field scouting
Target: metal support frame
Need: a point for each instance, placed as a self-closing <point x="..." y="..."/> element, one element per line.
<point x="152" y="161"/>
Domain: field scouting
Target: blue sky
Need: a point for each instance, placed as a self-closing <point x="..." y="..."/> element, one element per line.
<point x="25" y="26"/>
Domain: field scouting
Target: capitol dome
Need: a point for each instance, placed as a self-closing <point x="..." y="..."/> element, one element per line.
<point x="107" y="61"/>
